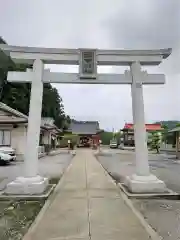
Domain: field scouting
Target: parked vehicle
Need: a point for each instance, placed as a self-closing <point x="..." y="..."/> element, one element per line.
<point x="113" y="143"/>
<point x="5" y="159"/>
<point x="8" y="150"/>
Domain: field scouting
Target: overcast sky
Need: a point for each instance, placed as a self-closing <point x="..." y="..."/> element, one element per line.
<point x="103" y="24"/>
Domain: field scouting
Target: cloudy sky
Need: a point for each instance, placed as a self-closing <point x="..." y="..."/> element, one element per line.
<point x="106" y="24"/>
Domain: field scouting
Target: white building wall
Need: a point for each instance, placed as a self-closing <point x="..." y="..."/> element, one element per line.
<point x="18" y="139"/>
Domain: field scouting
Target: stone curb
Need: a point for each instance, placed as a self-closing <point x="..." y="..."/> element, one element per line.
<point x="166" y="195"/>
<point x="152" y="233"/>
<point x="32" y="228"/>
<point x="37" y="197"/>
<point x="54" y="153"/>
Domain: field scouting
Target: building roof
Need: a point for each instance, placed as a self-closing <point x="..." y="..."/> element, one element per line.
<point x="14" y="112"/>
<point x="14" y="117"/>
<point x="149" y="127"/>
<point x="8" y="119"/>
<point x="48" y="123"/>
<point x="18" y="117"/>
<point x="84" y="127"/>
<point x="176" y="129"/>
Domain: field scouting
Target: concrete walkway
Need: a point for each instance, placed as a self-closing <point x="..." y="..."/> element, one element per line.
<point x="87" y="206"/>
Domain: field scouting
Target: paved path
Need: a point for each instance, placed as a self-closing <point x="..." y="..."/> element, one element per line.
<point x="88" y="206"/>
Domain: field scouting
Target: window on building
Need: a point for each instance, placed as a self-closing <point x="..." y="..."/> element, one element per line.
<point x="5" y="137"/>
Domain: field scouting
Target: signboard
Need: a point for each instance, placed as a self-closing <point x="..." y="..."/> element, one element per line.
<point x="88" y="64"/>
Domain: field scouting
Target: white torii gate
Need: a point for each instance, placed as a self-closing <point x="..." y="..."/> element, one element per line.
<point x="87" y="59"/>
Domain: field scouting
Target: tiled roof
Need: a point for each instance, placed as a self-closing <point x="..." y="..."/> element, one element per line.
<point x="18" y="117"/>
<point x="84" y="127"/>
<point x="5" y="107"/>
<point x="149" y="127"/>
<point x="48" y="123"/>
<point x="177" y="129"/>
<point x="9" y="119"/>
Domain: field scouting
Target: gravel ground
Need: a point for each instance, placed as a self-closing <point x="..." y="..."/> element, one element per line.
<point x="121" y="165"/>
<point x="163" y="215"/>
<point x="49" y="166"/>
<point x="17" y="216"/>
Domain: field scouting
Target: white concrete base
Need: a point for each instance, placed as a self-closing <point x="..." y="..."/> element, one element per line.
<point x="27" y="186"/>
<point x="145" y="184"/>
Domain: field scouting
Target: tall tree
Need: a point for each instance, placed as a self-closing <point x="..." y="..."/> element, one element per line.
<point x="106" y="137"/>
<point x="17" y="95"/>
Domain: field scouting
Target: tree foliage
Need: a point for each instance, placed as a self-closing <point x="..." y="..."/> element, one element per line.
<point x="106" y="137"/>
<point x="169" y="138"/>
<point x="170" y="124"/>
<point x="156" y="141"/>
<point x="17" y="95"/>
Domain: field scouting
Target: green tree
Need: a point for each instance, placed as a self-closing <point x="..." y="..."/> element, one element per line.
<point x="155" y="141"/>
<point x="106" y="137"/>
<point x="165" y="132"/>
<point x="17" y="95"/>
<point x="53" y="106"/>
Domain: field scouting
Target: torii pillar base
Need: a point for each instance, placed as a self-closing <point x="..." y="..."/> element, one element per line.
<point x="27" y="186"/>
<point x="145" y="184"/>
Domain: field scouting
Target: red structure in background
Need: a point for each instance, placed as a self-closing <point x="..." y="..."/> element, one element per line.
<point x="128" y="132"/>
<point x="149" y="127"/>
<point x="95" y="139"/>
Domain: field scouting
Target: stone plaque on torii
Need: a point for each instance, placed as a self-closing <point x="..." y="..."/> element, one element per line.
<point x="88" y="60"/>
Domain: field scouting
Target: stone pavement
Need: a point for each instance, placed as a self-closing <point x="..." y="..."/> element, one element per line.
<point x="87" y="205"/>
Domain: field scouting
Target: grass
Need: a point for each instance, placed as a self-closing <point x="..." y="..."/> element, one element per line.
<point x="16" y="218"/>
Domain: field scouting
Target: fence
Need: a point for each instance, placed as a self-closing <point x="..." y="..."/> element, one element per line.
<point x="167" y="147"/>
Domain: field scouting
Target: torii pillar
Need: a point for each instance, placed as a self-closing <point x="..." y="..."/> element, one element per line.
<point x="142" y="181"/>
<point x="31" y="183"/>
